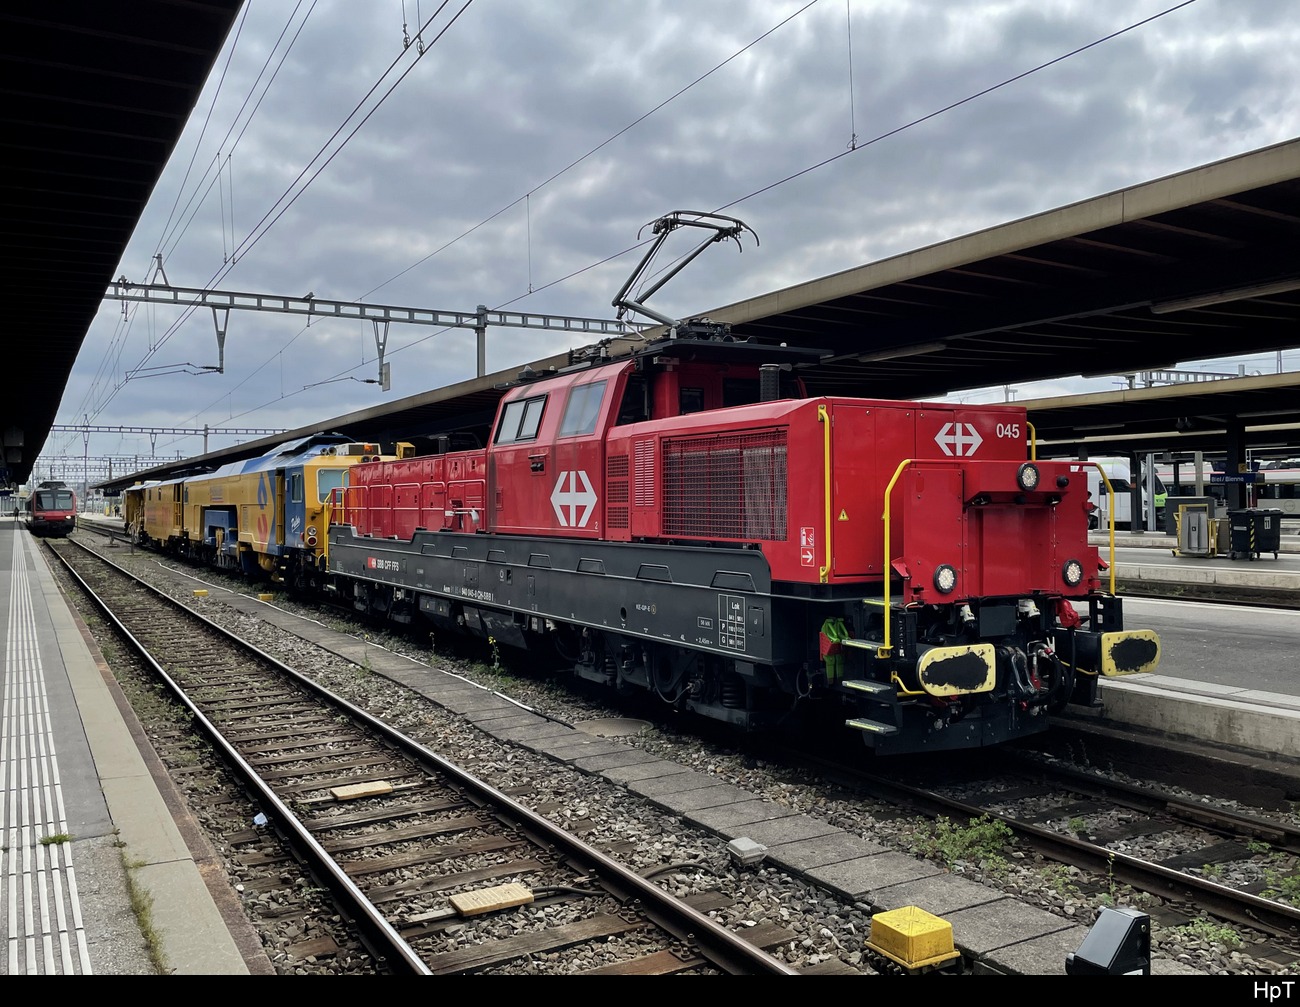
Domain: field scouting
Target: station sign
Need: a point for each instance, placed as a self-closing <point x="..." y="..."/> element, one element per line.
<point x="1224" y="478"/>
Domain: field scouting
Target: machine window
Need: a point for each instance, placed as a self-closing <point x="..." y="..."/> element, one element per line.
<point x="295" y="487"/>
<point x="582" y="409"/>
<point x="328" y="480"/>
<point x="54" y="499"/>
<point x="690" y="400"/>
<point x="633" y="408"/>
<point x="521" y="420"/>
<point x="740" y="392"/>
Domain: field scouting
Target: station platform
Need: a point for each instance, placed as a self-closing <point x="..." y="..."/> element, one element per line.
<point x="89" y="825"/>
<point x="95" y="847"/>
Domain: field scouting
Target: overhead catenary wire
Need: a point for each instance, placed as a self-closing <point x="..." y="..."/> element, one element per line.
<point x="884" y="135"/>
<point x="273" y="215"/>
<point x="123" y="333"/>
<point x="594" y="150"/>
<point x="526" y="197"/>
<point x="954" y="105"/>
<point x="172" y="238"/>
<point x="811" y="168"/>
<point x="853" y="117"/>
<point x="425" y="338"/>
<point x="207" y="119"/>
<point x="298" y="186"/>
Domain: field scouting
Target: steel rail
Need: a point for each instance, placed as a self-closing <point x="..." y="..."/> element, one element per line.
<point x="728" y="951"/>
<point x="387" y="945"/>
<point x="1139" y="798"/>
<point x="1220" y="900"/>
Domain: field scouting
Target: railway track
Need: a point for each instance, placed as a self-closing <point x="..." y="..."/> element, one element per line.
<point x="436" y="872"/>
<point x="1157" y="808"/>
<point x="1237" y="595"/>
<point x="1101" y="826"/>
<point x="1181" y="895"/>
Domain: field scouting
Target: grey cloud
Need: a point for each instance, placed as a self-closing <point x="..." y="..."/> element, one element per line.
<point x="516" y="91"/>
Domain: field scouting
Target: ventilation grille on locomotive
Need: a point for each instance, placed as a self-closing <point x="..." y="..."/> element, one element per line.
<point x="617" y="492"/>
<point x="726" y="486"/>
<point x="645" y="472"/>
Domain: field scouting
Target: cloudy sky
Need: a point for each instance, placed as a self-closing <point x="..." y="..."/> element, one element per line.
<point x="512" y="151"/>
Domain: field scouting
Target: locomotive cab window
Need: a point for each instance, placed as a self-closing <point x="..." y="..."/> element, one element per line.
<point x="583" y="409"/>
<point x="328" y="480"/>
<point x="520" y="420"/>
<point x="690" y="400"/>
<point x="54" y="499"/>
<point x="295" y="487"/>
<point x="740" y="392"/>
<point x="635" y="406"/>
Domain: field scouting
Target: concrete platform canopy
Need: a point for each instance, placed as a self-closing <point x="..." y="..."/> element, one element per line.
<point x="1198" y="416"/>
<point x="1198" y="265"/>
<point x="98" y="96"/>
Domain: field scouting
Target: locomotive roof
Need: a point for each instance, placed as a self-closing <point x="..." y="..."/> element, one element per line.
<point x="302" y="445"/>
<point x="746" y="351"/>
<point x="703" y="350"/>
<point x="290" y="452"/>
<point x="293" y="452"/>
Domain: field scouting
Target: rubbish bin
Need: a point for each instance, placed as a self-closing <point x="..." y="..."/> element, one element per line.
<point x="1255" y="531"/>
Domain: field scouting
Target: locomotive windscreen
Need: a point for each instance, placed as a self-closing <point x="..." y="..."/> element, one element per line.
<point x="54" y="499"/>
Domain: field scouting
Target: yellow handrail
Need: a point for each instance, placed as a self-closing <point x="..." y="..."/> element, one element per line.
<point x="886" y="650"/>
<point x="327" y="516"/>
<point x="1110" y="497"/>
<point x="823" y="417"/>
<point x="1033" y="442"/>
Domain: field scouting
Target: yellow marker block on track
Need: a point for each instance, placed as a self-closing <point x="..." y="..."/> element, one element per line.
<point x="351" y="791"/>
<point x="265" y="597"/>
<point x="487" y="899"/>
<point x="200" y="593"/>
<point x="913" y="938"/>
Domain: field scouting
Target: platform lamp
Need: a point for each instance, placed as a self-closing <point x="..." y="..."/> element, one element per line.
<point x="1119" y="944"/>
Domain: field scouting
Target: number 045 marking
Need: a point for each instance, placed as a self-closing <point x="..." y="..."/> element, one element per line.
<point x="1010" y="430"/>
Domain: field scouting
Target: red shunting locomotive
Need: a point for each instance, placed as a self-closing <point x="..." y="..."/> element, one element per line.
<point x="672" y="521"/>
<point x="684" y="520"/>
